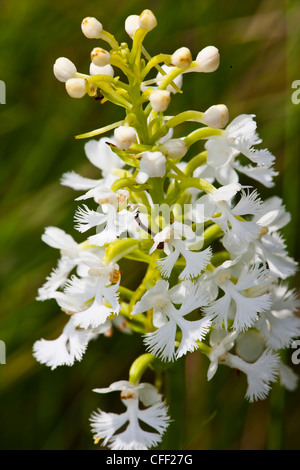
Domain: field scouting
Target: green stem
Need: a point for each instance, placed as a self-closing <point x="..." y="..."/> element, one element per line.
<point x="116" y="61"/>
<point x="149" y="280"/>
<point x="175" y="395"/>
<point x="194" y="116"/>
<point x="127" y="183"/>
<point x="203" y="133"/>
<point x="210" y="234"/>
<point x="108" y="37"/>
<point x="139" y="366"/>
<point x="220" y="257"/>
<point x="157" y="190"/>
<point x="126" y="293"/>
<point x="198" y="183"/>
<point x="168" y="79"/>
<point x="195" y="162"/>
<point x="160" y="69"/>
<point x="99" y="131"/>
<point x="155" y="61"/>
<point x="275" y="430"/>
<point x="176" y="169"/>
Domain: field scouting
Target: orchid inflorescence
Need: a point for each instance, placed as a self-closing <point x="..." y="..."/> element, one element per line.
<point x="212" y="246"/>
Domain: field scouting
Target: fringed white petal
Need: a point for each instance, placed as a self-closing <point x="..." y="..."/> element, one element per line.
<point x="161" y="342"/>
<point x="192" y="331"/>
<point x="262" y="174"/>
<point x="56" y="279"/>
<point x="260" y="374"/>
<point x="86" y="219"/>
<point x="65" y="350"/>
<point x="247" y="309"/>
<point x="166" y="264"/>
<point x="218" y="310"/>
<point x="105" y="425"/>
<point x="195" y="262"/>
<point x="279" y="328"/>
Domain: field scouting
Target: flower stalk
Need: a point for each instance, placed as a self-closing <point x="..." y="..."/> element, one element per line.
<point x="215" y="264"/>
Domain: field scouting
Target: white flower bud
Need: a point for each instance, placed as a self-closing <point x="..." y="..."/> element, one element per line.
<point x="132" y="25"/>
<point x="174" y="148"/>
<point x="182" y="58"/>
<point x="64" y="69"/>
<point x="250" y="345"/>
<point x="147" y="20"/>
<point x="76" y="87"/>
<point x="106" y="70"/>
<point x="125" y="136"/>
<point x="216" y="116"/>
<point x="152" y="165"/>
<point x="100" y="57"/>
<point x="208" y="59"/>
<point x="160" y="100"/>
<point x="91" y="27"/>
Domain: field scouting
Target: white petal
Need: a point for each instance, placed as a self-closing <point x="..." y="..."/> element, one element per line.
<point x="226" y="175"/>
<point x="87" y="219"/>
<point x="275" y="216"/>
<point x="250" y="203"/>
<point x="120" y="385"/>
<point x="259" y="374"/>
<point x="161" y="342"/>
<point x="64" y="350"/>
<point x="166" y="264"/>
<point x="271" y="250"/>
<point x="58" y="238"/>
<point x="155" y="416"/>
<point x="262" y="174"/>
<point x="57" y="279"/>
<point x="192" y="331"/>
<point x="247" y="308"/>
<point x="78" y="182"/>
<point x="287" y="376"/>
<point x="148" y="394"/>
<point x="93" y="317"/>
<point x="195" y="262"/>
<point x="218" y="310"/>
<point x="258" y="156"/>
<point x="101" y="155"/>
<point x="279" y="329"/>
<point x="219" y="152"/>
<point x="104" y="425"/>
<point x="243" y="126"/>
<point x="225" y="193"/>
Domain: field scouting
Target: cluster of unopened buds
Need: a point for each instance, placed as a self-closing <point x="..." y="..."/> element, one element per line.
<point x="216" y="263"/>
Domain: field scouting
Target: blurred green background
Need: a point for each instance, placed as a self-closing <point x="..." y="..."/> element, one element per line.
<point x="259" y="45"/>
